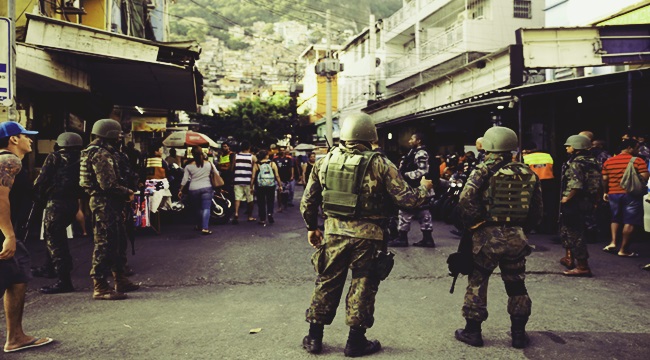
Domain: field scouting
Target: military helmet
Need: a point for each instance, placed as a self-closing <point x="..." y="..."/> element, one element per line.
<point x="359" y="127"/>
<point x="68" y="139"/>
<point x="578" y="142"/>
<point x="499" y="138"/>
<point x="107" y="129"/>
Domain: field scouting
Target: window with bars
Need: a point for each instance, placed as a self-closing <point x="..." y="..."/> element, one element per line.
<point x="522" y="9"/>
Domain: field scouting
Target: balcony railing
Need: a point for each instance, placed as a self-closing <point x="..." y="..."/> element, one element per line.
<point x="443" y="41"/>
<point x="404" y="62"/>
<point x="435" y="46"/>
<point x="406" y="12"/>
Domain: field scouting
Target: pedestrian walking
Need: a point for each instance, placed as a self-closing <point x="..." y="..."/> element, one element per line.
<point x="57" y="186"/>
<point x="200" y="190"/>
<point x="627" y="209"/>
<point x="500" y="200"/>
<point x="15" y="143"/>
<point x="413" y="167"/>
<point x="581" y="191"/>
<point x="243" y="174"/>
<point x="265" y="179"/>
<point x="356" y="187"/>
<point x="100" y="177"/>
<point x="286" y="169"/>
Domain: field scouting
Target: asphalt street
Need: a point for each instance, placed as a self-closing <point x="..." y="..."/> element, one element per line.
<point x="241" y="293"/>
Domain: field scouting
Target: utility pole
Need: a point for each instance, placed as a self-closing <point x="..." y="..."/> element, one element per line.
<point x="372" y="39"/>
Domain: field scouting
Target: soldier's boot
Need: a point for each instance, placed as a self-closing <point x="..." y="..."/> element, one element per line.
<point x="101" y="291"/>
<point x="358" y="345"/>
<point x="402" y="240"/>
<point x="471" y="334"/>
<point x="123" y="284"/>
<point x="567" y="261"/>
<point x="427" y="240"/>
<point x="63" y="285"/>
<point x="581" y="270"/>
<point x="313" y="342"/>
<point x="520" y="339"/>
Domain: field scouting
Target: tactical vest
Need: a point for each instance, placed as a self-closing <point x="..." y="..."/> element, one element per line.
<point x="409" y="165"/>
<point x="342" y="175"/>
<point x="509" y="193"/>
<point x="66" y="179"/>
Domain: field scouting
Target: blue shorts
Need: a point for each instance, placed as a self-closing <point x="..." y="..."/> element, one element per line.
<point x="626" y="209"/>
<point x="15" y="270"/>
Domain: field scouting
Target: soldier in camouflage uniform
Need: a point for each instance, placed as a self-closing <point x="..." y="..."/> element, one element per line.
<point x="57" y="185"/>
<point x="353" y="230"/>
<point x="100" y="178"/>
<point x="581" y="191"/>
<point x="413" y="167"/>
<point x="498" y="239"/>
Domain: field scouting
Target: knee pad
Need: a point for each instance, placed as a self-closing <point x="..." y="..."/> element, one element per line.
<point x="516" y="288"/>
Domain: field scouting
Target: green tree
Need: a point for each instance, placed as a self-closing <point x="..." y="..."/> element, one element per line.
<point x="260" y="122"/>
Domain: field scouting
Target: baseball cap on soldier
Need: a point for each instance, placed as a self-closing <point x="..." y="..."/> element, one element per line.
<point x="12" y="128"/>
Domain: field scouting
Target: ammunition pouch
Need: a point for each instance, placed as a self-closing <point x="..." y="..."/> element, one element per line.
<point x="383" y="264"/>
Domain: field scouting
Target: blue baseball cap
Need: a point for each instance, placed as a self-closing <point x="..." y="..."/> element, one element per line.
<point x="12" y="128"/>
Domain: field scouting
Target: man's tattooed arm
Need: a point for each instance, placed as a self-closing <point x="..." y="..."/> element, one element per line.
<point x="10" y="165"/>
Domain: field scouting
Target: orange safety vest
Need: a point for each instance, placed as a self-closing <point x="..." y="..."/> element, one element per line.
<point x="541" y="163"/>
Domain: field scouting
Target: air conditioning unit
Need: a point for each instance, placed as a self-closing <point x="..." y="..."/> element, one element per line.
<point x="72" y="7"/>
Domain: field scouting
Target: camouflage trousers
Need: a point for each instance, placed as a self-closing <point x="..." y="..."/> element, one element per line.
<point x="573" y="235"/>
<point x="406" y="216"/>
<point x="109" y="235"/>
<point x="58" y="215"/>
<point x="507" y="248"/>
<point x="332" y="261"/>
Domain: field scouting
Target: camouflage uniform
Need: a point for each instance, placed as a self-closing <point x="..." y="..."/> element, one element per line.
<point x="58" y="186"/>
<point x="494" y="245"/>
<point x="581" y="172"/>
<point x="351" y="243"/>
<point x="107" y="197"/>
<point x="413" y="167"/>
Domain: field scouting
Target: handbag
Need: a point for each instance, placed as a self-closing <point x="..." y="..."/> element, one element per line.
<point x="631" y="181"/>
<point x="215" y="178"/>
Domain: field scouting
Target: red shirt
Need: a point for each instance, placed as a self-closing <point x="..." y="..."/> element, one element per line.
<point x="615" y="166"/>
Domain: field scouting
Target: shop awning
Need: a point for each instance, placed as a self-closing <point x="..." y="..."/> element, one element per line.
<point x="487" y="99"/>
<point x="125" y="70"/>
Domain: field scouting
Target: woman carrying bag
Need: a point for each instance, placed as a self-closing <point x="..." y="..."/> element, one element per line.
<point x="203" y="177"/>
<point x="265" y="173"/>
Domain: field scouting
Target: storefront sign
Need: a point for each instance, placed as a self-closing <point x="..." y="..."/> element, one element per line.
<point x="5" y="61"/>
<point x="149" y="124"/>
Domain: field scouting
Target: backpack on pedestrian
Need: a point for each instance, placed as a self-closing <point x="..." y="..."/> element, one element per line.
<point x="265" y="176"/>
<point x="631" y="181"/>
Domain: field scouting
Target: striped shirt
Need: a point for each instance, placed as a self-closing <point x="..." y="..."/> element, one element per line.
<point x="615" y="166"/>
<point x="243" y="169"/>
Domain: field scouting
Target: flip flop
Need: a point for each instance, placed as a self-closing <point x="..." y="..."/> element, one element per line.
<point x="611" y="250"/>
<point x="252" y="219"/>
<point x="646" y="267"/>
<point x="206" y="232"/>
<point x="32" y="344"/>
<point x="630" y="255"/>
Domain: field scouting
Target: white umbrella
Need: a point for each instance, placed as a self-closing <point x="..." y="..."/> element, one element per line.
<point x="305" y="147"/>
<point x="189" y="138"/>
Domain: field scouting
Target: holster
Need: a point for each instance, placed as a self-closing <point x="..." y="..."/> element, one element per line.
<point x="384" y="260"/>
<point x="462" y="261"/>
